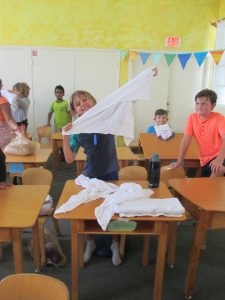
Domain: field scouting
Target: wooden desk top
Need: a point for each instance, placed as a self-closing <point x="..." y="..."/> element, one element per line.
<point x="168" y="149"/>
<point x="20" y="205"/>
<point x="123" y="153"/>
<point x="39" y="157"/>
<point x="207" y="193"/>
<point x="86" y="211"/>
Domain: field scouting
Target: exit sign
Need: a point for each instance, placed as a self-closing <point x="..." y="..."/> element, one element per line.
<point x="172" y="41"/>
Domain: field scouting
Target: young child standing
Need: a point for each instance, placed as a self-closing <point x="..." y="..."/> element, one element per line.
<point x="208" y="128"/>
<point x="20" y="104"/>
<point x="161" y="127"/>
<point x="60" y="108"/>
<point x="101" y="161"/>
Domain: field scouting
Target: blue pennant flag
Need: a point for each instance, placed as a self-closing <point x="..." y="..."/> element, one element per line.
<point x="144" y="57"/>
<point x="200" y="57"/>
<point x="183" y="58"/>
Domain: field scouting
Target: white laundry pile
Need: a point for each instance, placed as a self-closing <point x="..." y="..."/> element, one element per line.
<point x="163" y="131"/>
<point x="114" y="113"/>
<point x="128" y="199"/>
<point x="94" y="189"/>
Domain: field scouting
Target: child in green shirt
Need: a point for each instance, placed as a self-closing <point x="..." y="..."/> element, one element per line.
<point x="61" y="110"/>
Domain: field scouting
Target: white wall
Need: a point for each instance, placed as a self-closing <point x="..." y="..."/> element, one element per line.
<point x="94" y="70"/>
<point x="173" y="89"/>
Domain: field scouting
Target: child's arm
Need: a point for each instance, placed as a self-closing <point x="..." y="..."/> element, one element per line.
<point x="216" y="165"/>
<point x="21" y="104"/>
<point x="69" y="116"/>
<point x="185" y="143"/>
<point x="49" y="118"/>
<point x="68" y="153"/>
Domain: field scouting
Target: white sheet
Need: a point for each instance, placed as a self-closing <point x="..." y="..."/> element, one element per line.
<point x="114" y="113"/>
<point x="163" y="131"/>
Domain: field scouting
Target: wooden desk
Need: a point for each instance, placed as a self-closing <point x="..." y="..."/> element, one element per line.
<point x="40" y="157"/>
<point x="19" y="208"/>
<point x="169" y="149"/>
<point x="204" y="198"/>
<point x="83" y="221"/>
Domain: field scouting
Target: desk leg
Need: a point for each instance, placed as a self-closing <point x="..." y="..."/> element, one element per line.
<point x="36" y="247"/>
<point x="195" y="253"/>
<point x="55" y="156"/>
<point x="160" y="261"/>
<point x="79" y="167"/>
<point x="17" y="250"/>
<point x="74" y="258"/>
<point x="172" y="240"/>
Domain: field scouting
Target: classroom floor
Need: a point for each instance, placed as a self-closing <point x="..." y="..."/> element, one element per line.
<point x="100" y="280"/>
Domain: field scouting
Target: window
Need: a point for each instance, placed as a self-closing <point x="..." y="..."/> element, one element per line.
<point x="219" y="72"/>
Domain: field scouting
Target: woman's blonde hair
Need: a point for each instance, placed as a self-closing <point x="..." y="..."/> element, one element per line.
<point x="23" y="88"/>
<point x="79" y="93"/>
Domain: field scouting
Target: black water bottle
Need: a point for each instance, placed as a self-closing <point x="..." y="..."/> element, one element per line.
<point x="154" y="171"/>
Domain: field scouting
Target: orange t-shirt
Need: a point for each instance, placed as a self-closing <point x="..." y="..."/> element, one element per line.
<point x="3" y="100"/>
<point x="207" y="133"/>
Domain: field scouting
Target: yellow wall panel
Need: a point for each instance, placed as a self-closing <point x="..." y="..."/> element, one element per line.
<point x="121" y="24"/>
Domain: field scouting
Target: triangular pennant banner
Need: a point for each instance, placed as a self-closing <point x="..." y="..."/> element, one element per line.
<point x="183" y="58"/>
<point x="216" y="55"/>
<point x="200" y="57"/>
<point x="133" y="55"/>
<point x="169" y="58"/>
<point x="123" y="53"/>
<point x="156" y="58"/>
<point x="144" y="57"/>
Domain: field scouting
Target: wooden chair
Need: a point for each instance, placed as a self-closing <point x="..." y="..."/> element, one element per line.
<point x="27" y="286"/>
<point x="131" y="173"/>
<point x="45" y="136"/>
<point x="40" y="176"/>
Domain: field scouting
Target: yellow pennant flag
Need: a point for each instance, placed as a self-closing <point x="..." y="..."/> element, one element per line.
<point x="133" y="55"/>
<point x="216" y="55"/>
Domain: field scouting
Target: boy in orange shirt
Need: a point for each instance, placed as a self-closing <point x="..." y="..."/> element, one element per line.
<point x="208" y="128"/>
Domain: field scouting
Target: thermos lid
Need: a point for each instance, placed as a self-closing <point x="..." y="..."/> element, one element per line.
<point x="155" y="157"/>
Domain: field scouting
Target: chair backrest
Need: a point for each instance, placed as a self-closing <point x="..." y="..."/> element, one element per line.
<point x="133" y="173"/>
<point x="37" y="176"/>
<point x="167" y="173"/>
<point x="44" y="135"/>
<point x="27" y="286"/>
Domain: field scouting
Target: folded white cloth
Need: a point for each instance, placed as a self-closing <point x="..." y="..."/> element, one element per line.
<point x="170" y="207"/>
<point x="114" y="113"/>
<point x="163" y="131"/>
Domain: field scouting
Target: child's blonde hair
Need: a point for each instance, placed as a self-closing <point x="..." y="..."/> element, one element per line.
<point x="23" y="88"/>
<point x="79" y="93"/>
